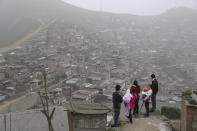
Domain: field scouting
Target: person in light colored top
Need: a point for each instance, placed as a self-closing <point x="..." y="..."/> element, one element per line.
<point x="126" y="99"/>
<point x="147" y="99"/>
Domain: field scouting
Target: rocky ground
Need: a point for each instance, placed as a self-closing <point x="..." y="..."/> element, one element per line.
<point x="155" y="122"/>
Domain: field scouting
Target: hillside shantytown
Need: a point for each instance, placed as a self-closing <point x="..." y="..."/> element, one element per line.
<point x="85" y="56"/>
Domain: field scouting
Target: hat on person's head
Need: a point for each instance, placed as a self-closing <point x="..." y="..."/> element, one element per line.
<point x="152" y="76"/>
<point x="145" y="89"/>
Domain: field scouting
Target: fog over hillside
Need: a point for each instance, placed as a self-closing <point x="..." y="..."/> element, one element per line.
<point x="80" y="55"/>
<point x="137" y="7"/>
<point x="24" y="16"/>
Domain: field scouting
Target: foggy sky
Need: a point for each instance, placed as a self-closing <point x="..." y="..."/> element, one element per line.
<point x="138" y="7"/>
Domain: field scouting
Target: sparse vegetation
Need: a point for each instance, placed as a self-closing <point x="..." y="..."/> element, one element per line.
<point x="192" y="102"/>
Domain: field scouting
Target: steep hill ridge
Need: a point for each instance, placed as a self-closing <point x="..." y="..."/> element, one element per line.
<point x="21" y="17"/>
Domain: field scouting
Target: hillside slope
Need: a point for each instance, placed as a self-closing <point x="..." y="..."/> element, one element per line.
<point x="18" y="18"/>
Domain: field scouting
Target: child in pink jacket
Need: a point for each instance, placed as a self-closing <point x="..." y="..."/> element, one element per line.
<point x="126" y="99"/>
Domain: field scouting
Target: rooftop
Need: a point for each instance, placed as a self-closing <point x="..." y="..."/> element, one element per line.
<point x="87" y="108"/>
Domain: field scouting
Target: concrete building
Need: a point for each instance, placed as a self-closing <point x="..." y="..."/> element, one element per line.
<point x="189" y="110"/>
<point x="84" y="95"/>
<point x="87" y="116"/>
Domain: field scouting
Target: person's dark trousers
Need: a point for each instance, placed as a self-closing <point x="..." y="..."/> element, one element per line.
<point x="153" y="99"/>
<point x="147" y="108"/>
<point x="136" y="109"/>
<point x="130" y="116"/>
<point x="116" y="116"/>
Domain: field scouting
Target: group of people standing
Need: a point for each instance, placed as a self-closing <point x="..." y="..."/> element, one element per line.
<point x="132" y="97"/>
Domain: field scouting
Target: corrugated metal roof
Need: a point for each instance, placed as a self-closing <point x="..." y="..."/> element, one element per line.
<point x="87" y="108"/>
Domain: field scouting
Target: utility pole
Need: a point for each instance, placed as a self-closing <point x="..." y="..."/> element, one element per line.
<point x="5" y="122"/>
<point x="10" y="122"/>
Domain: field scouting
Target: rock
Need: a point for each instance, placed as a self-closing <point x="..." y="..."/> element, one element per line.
<point x="172" y="102"/>
<point x="177" y="99"/>
<point x="162" y="99"/>
<point x="171" y="112"/>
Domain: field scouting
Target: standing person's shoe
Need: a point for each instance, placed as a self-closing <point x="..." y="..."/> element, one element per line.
<point x="114" y="125"/>
<point x="152" y="110"/>
<point x="146" y="116"/>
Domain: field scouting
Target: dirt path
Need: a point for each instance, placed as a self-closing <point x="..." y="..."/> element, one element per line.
<point x="19" y="103"/>
<point x="24" y="101"/>
<point x="18" y="43"/>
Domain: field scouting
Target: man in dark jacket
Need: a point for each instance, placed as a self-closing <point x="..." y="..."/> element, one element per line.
<point x="117" y="100"/>
<point x="155" y="90"/>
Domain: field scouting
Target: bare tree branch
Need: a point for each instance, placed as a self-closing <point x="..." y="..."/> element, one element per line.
<point x="51" y="116"/>
<point x="45" y="103"/>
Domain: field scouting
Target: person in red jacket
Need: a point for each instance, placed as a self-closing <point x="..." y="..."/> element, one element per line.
<point x="137" y="90"/>
<point x="132" y="103"/>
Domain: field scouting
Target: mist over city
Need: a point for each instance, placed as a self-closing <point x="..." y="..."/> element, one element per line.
<point x="136" y="7"/>
<point x="98" y="65"/>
